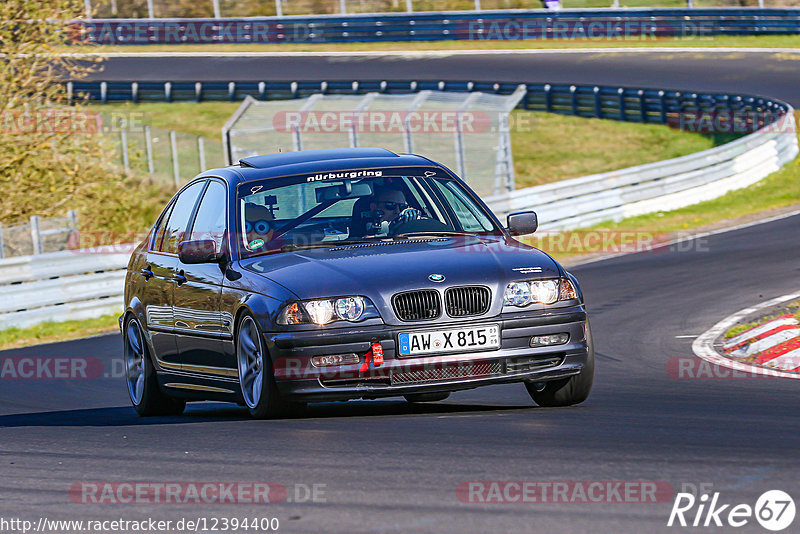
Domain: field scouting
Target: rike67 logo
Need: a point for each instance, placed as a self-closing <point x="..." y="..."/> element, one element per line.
<point x="774" y="510"/>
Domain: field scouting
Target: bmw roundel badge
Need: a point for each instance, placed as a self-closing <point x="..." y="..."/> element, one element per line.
<point x="436" y="278"/>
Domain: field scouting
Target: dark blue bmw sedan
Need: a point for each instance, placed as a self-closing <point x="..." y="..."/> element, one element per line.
<point x="344" y="274"/>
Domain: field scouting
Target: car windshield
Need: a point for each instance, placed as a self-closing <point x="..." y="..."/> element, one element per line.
<point x="305" y="212"/>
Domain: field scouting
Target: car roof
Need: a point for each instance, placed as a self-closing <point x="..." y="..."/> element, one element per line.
<point x="318" y="161"/>
<point x="313" y="156"/>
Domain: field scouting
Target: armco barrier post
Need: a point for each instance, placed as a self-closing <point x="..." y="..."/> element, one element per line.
<point x="176" y="170"/>
<point x="148" y="147"/>
<point x="123" y="139"/>
<point x="72" y="217"/>
<point x="201" y="153"/>
<point x="36" y="235"/>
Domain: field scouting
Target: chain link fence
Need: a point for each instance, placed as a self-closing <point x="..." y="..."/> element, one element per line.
<point x="468" y="132"/>
<point x="39" y="235"/>
<point x="165" y="156"/>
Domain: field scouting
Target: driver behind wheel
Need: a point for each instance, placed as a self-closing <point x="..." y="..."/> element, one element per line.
<point x="390" y="209"/>
<point x="258" y="225"/>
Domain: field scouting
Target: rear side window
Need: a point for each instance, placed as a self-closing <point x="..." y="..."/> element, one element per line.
<point x="175" y="228"/>
<point x="210" y="220"/>
<point x="159" y="230"/>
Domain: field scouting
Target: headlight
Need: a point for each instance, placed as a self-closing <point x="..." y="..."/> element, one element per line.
<point x="350" y="308"/>
<point x="320" y="311"/>
<point x="521" y="294"/>
<point x="324" y="311"/>
<point x="517" y="294"/>
<point x="544" y="291"/>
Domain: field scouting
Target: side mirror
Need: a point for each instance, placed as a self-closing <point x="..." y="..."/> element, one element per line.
<point x="203" y="251"/>
<point x="522" y="222"/>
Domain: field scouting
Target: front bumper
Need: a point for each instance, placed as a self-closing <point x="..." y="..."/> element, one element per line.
<point x="514" y="361"/>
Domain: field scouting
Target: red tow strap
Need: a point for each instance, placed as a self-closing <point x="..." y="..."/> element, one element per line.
<point x="373" y="356"/>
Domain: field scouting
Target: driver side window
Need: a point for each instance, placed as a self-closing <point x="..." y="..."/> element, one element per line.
<point x="469" y="217"/>
<point x="209" y="223"/>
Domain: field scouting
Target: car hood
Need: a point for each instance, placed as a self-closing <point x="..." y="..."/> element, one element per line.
<point x="379" y="270"/>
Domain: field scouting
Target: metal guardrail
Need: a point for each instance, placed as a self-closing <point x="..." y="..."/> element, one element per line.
<point x="609" y="23"/>
<point x="661" y="186"/>
<point x="61" y="286"/>
<point x="609" y="102"/>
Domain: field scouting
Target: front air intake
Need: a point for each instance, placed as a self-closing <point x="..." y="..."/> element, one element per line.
<point x="417" y="305"/>
<point x="466" y="301"/>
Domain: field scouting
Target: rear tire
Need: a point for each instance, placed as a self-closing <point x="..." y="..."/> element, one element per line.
<point x="427" y="397"/>
<point x="567" y="391"/>
<point x="140" y="375"/>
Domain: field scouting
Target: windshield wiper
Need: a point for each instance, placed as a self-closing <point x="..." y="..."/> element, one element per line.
<point x="327" y="244"/>
<point x="444" y="233"/>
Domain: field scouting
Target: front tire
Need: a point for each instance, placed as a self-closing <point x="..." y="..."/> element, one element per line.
<point x="140" y="375"/>
<point x="256" y="378"/>
<point x="568" y="391"/>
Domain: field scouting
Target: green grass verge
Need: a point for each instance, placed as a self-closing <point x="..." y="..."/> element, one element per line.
<point x="204" y="119"/>
<point x="51" y="332"/>
<point x="792" y="308"/>
<point x="557" y="147"/>
<point x="544" y="145"/>
<point x="750" y="41"/>
<point x="779" y="190"/>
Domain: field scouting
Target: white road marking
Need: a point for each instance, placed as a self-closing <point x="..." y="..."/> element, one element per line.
<point x="687" y="337"/>
<point x="703" y="346"/>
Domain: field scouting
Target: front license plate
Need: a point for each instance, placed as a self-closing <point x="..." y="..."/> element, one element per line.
<point x="457" y="339"/>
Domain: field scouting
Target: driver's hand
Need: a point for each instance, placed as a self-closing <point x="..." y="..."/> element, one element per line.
<point x="408" y="214"/>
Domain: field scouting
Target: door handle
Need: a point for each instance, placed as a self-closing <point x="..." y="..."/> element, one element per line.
<point x="179" y="278"/>
<point x="147" y="273"/>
